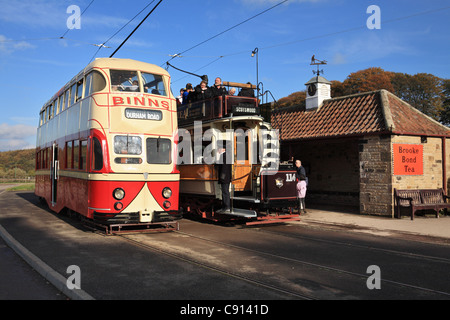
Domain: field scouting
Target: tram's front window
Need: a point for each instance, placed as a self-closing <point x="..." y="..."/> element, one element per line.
<point x="154" y="84"/>
<point x="123" y="80"/>
<point x="159" y="151"/>
<point x="128" y="145"/>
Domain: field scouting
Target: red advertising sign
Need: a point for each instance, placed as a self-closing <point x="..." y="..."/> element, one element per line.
<point x="408" y="159"/>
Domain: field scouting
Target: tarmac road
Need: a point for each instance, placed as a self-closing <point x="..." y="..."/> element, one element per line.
<point x="18" y="280"/>
<point x="206" y="261"/>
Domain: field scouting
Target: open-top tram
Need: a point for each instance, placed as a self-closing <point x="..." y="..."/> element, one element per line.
<point x="262" y="190"/>
<point x="106" y="149"/>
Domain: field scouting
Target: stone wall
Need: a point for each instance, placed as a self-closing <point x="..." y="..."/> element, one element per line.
<point x="432" y="165"/>
<point x="375" y="176"/>
<point x="359" y="172"/>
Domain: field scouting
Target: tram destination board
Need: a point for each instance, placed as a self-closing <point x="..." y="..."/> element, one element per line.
<point x="142" y="114"/>
<point x="245" y="109"/>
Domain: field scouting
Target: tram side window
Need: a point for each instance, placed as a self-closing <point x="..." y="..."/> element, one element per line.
<point x="76" y="154"/>
<point x="61" y="102"/>
<point x="122" y="80"/>
<point x="55" y="103"/>
<point x="98" y="82"/>
<point x="79" y="91"/>
<point x="41" y="121"/>
<point x="73" y="94"/>
<point x="97" y="155"/>
<point x="67" y="99"/>
<point x="153" y="84"/>
<point x="159" y="151"/>
<point x="87" y="86"/>
<point x="69" y="154"/>
<point x="83" y="153"/>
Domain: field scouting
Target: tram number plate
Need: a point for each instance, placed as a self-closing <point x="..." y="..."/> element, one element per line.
<point x="141" y="114"/>
<point x="244" y="108"/>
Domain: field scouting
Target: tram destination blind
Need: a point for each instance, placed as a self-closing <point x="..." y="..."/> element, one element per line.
<point x="140" y="114"/>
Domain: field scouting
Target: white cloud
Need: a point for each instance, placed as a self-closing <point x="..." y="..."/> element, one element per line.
<point x="14" y="137"/>
<point x="8" y="46"/>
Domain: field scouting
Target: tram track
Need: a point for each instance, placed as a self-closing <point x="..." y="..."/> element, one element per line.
<point x="278" y="288"/>
<point x="353" y="245"/>
<point x="218" y="270"/>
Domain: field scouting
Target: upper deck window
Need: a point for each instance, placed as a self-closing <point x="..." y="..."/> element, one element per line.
<point x="129" y="81"/>
<point x="124" y="81"/>
<point x="153" y="84"/>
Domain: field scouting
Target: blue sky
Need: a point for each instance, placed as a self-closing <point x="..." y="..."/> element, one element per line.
<point x="414" y="38"/>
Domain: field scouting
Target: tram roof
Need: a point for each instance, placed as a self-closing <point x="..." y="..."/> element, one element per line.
<point x="128" y="64"/>
<point x="112" y="63"/>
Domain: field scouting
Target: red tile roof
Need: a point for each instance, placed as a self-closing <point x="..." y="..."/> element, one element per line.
<point x="376" y="112"/>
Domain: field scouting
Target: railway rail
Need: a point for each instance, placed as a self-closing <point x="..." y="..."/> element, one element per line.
<point x="281" y="281"/>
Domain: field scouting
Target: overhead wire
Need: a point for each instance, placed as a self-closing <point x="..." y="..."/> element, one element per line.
<point x="120" y="30"/>
<point x="68" y="29"/>
<point x="225" y="31"/>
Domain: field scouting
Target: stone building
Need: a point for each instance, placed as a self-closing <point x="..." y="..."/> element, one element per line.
<point x="357" y="149"/>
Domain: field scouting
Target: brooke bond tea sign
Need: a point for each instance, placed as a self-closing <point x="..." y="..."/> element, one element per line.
<point x="408" y="159"/>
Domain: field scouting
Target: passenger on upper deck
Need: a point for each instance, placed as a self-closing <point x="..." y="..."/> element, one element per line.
<point x="232" y="92"/>
<point x="188" y="95"/>
<point x="247" y="92"/>
<point x="218" y="89"/>
<point x="202" y="91"/>
<point x="180" y="97"/>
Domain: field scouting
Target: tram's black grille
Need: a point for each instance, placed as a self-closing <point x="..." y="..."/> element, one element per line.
<point x="123" y="218"/>
<point x="133" y="217"/>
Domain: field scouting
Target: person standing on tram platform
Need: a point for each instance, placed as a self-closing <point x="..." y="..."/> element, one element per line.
<point x="301" y="186"/>
<point x="224" y="175"/>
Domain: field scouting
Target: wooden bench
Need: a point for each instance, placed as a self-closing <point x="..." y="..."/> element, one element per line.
<point x="420" y="199"/>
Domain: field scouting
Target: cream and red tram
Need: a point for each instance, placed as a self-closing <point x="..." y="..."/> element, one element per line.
<point x="262" y="191"/>
<point x="105" y="145"/>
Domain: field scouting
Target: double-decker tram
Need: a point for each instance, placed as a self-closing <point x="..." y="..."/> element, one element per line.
<point x="106" y="149"/>
<point x="261" y="190"/>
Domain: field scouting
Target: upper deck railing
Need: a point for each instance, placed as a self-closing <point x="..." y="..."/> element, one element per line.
<point x="217" y="108"/>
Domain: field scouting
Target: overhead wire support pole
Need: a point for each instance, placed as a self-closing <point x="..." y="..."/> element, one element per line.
<point x="143" y="20"/>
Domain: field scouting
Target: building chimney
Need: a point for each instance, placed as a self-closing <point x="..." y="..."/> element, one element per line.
<point x="318" y="89"/>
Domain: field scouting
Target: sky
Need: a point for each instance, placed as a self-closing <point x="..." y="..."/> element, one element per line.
<point x="408" y="36"/>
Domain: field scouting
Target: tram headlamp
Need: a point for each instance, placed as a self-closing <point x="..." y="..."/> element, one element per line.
<point x="167" y="204"/>
<point x="167" y="192"/>
<point x="119" y="194"/>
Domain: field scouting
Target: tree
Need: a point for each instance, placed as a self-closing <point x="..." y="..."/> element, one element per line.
<point x="294" y="99"/>
<point x="370" y="79"/>
<point x="445" y="112"/>
<point x="423" y="91"/>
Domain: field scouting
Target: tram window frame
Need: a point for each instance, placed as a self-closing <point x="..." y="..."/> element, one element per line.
<point x="154" y="155"/>
<point x="98" y="82"/>
<point x="69" y="154"/>
<point x="80" y="86"/>
<point x="83" y="154"/>
<point x="76" y="154"/>
<point x="61" y="102"/>
<point x="97" y="154"/>
<point x="117" y="85"/>
<point x="119" y="144"/>
<point x="88" y="85"/>
<point x="67" y="98"/>
<point x="157" y="80"/>
<point x="38" y="161"/>
<point x="41" y="121"/>
<point x="56" y="104"/>
<point x="73" y="94"/>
